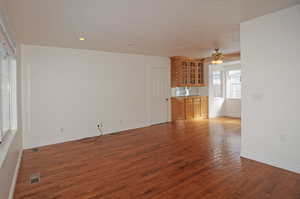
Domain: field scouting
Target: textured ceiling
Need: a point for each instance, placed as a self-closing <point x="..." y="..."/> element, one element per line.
<point x="151" y="27"/>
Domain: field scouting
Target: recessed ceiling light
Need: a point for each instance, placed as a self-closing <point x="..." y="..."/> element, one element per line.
<point x="81" y="38"/>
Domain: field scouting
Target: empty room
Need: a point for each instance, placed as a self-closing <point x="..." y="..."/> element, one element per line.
<point x="141" y="99"/>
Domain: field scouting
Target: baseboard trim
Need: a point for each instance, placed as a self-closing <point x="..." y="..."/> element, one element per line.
<point x="26" y="147"/>
<point x="14" y="181"/>
<point x="272" y="164"/>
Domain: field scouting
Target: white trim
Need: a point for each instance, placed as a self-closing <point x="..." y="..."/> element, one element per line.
<point x="272" y="163"/>
<point x="231" y="63"/>
<point x="233" y="99"/>
<point x="4" y="146"/>
<point x="14" y="181"/>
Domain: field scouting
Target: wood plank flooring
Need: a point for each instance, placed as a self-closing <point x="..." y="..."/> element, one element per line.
<point x="188" y="160"/>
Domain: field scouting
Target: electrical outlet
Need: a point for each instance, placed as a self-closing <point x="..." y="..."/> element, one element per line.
<point x="99" y="127"/>
<point x="99" y="124"/>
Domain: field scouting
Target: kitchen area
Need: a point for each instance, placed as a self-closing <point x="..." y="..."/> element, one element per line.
<point x="189" y="89"/>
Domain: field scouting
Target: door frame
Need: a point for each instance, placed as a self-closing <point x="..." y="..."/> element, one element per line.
<point x="221" y="67"/>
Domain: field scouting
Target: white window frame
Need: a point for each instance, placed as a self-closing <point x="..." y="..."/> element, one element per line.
<point x="9" y="48"/>
<point x="12" y="104"/>
<point x="8" y="51"/>
<point x="228" y="85"/>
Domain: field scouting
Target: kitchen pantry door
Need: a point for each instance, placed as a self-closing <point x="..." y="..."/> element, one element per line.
<point x="160" y="87"/>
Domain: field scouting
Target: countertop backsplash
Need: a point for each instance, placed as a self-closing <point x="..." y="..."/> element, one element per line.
<point x="189" y="91"/>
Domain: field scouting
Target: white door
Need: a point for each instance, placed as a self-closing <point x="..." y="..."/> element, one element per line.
<point x="160" y="87"/>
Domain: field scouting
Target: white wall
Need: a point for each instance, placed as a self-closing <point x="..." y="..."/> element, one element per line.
<point x="73" y="89"/>
<point x="232" y="108"/>
<point x="12" y="146"/>
<point x="270" y="107"/>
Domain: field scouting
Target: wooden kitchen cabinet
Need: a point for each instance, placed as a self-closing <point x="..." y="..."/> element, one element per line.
<point x="186" y="72"/>
<point x="189" y="108"/>
<point x="204" y="107"/>
<point x="178" y="108"/>
<point x="201" y="107"/>
<point x="197" y="107"/>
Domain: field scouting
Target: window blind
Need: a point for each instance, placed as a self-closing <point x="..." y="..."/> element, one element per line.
<point x="234" y="84"/>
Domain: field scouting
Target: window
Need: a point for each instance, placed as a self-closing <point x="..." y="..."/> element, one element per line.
<point x="217" y="83"/>
<point x="8" y="109"/>
<point x="233" y="90"/>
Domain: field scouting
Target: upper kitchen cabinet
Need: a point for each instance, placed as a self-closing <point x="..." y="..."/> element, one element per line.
<point x="186" y="72"/>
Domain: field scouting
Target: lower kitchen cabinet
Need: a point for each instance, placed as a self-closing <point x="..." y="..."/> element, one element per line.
<point x="189" y="108"/>
<point x="178" y="108"/>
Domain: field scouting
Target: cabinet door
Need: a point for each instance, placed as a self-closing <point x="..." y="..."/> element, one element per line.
<point x="179" y="72"/>
<point x="192" y="74"/>
<point x="197" y="108"/>
<point x="204" y="107"/>
<point x="178" y="109"/>
<point x="200" y="107"/>
<point x="195" y="74"/>
<point x="176" y="73"/>
<point x="200" y="74"/>
<point x="189" y="108"/>
<point x="184" y="73"/>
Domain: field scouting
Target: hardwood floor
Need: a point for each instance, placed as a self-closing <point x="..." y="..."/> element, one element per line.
<point x="189" y="160"/>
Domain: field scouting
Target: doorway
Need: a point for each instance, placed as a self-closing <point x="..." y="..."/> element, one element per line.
<point x="225" y="90"/>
